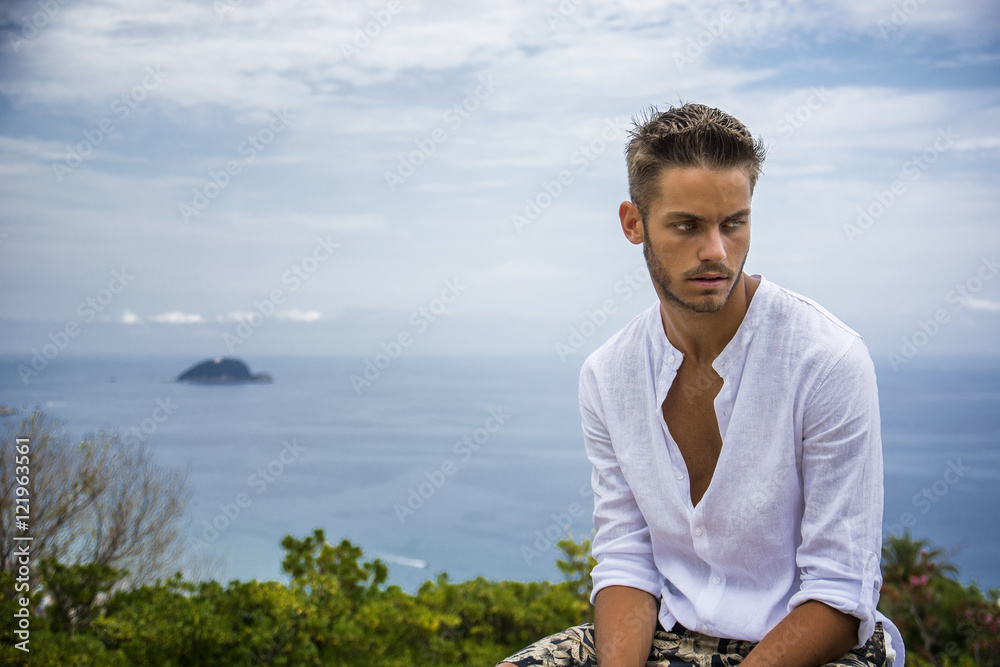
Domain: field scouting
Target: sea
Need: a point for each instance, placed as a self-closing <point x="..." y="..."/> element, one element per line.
<point x="470" y="466"/>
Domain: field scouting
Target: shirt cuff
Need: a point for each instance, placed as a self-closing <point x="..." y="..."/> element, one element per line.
<point x="626" y="570"/>
<point x="844" y="595"/>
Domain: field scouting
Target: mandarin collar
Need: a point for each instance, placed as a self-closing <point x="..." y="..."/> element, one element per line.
<point x="666" y="359"/>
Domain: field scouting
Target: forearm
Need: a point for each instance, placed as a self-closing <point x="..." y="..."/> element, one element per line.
<point x="624" y="623"/>
<point x="813" y="634"/>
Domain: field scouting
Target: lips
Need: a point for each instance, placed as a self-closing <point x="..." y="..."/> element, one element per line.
<point x="710" y="279"/>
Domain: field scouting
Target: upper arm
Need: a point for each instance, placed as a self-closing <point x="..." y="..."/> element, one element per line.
<point x="622" y="545"/>
<point x="839" y="554"/>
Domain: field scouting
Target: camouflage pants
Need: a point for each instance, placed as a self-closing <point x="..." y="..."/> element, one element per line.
<point x="678" y="648"/>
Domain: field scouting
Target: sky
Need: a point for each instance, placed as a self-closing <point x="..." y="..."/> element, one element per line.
<point x="244" y="177"/>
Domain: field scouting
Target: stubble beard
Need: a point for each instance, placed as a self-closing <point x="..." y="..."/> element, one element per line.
<point x="663" y="282"/>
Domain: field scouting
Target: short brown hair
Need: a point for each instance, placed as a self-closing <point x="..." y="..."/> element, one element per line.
<point x="692" y="135"/>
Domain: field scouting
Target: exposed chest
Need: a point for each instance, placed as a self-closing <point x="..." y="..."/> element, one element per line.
<point x="689" y="411"/>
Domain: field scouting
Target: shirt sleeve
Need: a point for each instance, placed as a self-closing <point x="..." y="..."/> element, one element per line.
<point x="839" y="556"/>
<point x="621" y="544"/>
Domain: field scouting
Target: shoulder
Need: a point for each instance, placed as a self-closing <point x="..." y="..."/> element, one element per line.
<point x="806" y="335"/>
<point x="624" y="352"/>
<point x="805" y="313"/>
<point x="797" y="319"/>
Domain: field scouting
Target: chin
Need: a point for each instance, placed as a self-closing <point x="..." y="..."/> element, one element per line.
<point x="708" y="307"/>
<point x="708" y="304"/>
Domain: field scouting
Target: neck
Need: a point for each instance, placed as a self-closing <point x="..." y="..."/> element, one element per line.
<point x="701" y="337"/>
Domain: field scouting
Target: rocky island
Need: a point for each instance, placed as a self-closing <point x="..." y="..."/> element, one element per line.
<point x="221" y="371"/>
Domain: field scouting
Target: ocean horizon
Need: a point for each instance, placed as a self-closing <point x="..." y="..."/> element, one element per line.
<point x="472" y="466"/>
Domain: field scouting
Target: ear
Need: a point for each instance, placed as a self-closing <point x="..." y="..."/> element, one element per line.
<point x="631" y="222"/>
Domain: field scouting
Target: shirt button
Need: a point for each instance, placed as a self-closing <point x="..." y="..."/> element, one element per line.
<point x="704" y="629"/>
<point x="679" y="475"/>
<point x="671" y="359"/>
<point x="698" y="532"/>
<point x="716" y="580"/>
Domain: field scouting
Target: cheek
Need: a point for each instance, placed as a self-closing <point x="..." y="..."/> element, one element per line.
<point x="740" y="243"/>
<point x="663" y="256"/>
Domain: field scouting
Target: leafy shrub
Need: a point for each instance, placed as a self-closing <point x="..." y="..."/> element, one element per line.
<point x="336" y="609"/>
<point x="942" y="621"/>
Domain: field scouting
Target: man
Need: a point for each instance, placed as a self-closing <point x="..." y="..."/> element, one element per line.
<point x="734" y="434"/>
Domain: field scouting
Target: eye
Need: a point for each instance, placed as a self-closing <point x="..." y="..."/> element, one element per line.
<point x="735" y="224"/>
<point x="684" y="226"/>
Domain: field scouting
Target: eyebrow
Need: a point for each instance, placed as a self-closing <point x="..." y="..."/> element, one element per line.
<point x="684" y="215"/>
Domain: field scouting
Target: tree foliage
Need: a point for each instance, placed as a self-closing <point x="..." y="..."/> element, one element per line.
<point x="943" y="622"/>
<point x="337" y="609"/>
<point x="100" y="502"/>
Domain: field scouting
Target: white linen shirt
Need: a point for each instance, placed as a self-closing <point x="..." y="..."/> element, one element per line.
<point x="794" y="509"/>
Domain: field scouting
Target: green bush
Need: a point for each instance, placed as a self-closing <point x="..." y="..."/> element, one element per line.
<point x="942" y="621"/>
<point x="336" y="609"/>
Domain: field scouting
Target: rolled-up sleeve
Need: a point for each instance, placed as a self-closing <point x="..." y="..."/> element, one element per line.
<point x="839" y="556"/>
<point x="622" y="544"/>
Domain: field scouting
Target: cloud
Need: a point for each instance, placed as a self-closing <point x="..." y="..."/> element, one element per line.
<point x="291" y="315"/>
<point x="296" y="315"/>
<point x="559" y="82"/>
<point x="177" y="317"/>
<point x="983" y="304"/>
<point x="236" y="316"/>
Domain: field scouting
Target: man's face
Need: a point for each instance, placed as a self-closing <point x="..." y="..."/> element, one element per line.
<point x="696" y="235"/>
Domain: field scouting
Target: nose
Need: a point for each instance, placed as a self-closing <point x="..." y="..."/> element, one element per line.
<point x="712" y="248"/>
